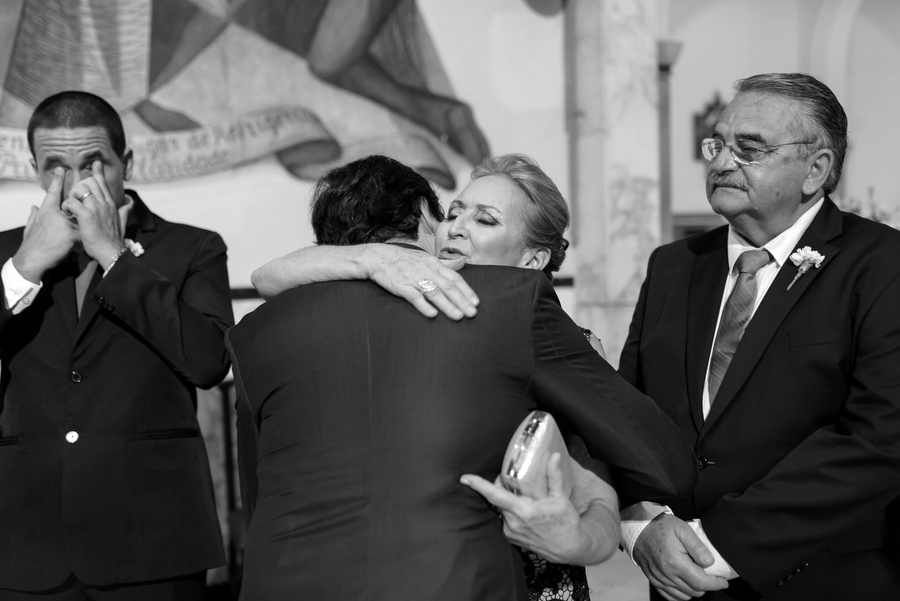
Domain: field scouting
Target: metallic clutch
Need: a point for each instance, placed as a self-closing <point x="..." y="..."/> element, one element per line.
<point x="525" y="463"/>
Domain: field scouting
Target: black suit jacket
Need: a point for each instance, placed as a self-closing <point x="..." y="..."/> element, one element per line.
<point x="367" y="414"/>
<point x="131" y="499"/>
<point x="801" y="449"/>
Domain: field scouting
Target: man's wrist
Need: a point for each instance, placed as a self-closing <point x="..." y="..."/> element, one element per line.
<point x="29" y="269"/>
<point x="102" y="253"/>
<point x="113" y="259"/>
<point x="18" y="291"/>
<point x="634" y="519"/>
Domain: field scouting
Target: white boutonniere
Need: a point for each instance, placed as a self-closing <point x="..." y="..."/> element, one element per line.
<point x="135" y="247"/>
<point x="804" y="258"/>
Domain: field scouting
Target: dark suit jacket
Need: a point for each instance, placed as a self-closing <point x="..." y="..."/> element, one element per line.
<point x="801" y="449"/>
<point x="130" y="500"/>
<point x="368" y="413"/>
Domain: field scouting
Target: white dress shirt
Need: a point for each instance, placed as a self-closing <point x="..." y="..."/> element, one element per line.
<point x="19" y="293"/>
<point x="636" y="517"/>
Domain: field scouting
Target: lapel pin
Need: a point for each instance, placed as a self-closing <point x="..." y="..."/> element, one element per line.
<point x="804" y="258"/>
<point x="137" y="250"/>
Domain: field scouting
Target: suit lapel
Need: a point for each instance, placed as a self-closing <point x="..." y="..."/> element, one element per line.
<point x="704" y="298"/>
<point x="777" y="303"/>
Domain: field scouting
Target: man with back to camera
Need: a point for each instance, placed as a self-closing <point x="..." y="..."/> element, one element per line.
<point x="357" y="415"/>
<point x="795" y="414"/>
<point x="111" y="318"/>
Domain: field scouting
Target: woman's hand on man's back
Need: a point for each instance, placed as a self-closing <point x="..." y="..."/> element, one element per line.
<point x="406" y="273"/>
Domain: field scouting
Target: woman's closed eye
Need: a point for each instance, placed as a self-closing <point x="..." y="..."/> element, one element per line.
<point x="483" y="215"/>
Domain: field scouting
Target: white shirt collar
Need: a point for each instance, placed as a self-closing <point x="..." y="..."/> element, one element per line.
<point x="781" y="246"/>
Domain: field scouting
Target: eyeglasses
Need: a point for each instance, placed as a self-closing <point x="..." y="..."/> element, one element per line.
<point x="744" y="152"/>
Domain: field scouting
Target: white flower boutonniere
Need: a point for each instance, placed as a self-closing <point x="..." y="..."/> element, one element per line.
<point x="804" y="258"/>
<point x="135" y="247"/>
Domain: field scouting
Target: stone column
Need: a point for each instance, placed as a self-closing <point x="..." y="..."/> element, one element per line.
<point x="613" y="125"/>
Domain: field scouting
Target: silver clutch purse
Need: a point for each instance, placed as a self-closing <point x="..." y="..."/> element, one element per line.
<point x="525" y="463"/>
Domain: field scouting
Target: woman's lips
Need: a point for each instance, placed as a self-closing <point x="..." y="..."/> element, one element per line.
<point x="451" y="253"/>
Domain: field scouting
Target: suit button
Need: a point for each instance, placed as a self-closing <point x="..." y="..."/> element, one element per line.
<point x="99" y="300"/>
<point x="26" y="301"/>
<point x="110" y="308"/>
<point x="72" y="437"/>
<point x="780" y="583"/>
<point x="702" y="462"/>
<point x="76" y="377"/>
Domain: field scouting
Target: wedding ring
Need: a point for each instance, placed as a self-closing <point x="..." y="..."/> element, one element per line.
<point x="83" y="196"/>
<point x="427" y="286"/>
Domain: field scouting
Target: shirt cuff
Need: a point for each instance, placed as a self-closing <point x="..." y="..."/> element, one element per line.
<point x="634" y="519"/>
<point x="18" y="292"/>
<point x="720" y="567"/>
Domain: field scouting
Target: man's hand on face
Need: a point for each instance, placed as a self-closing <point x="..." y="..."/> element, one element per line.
<point x="673" y="558"/>
<point x="49" y="235"/>
<point x="99" y="220"/>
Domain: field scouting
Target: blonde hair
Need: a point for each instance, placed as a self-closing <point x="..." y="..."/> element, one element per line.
<point x="546" y="213"/>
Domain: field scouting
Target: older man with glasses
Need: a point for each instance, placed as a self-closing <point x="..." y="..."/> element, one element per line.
<point x="774" y="342"/>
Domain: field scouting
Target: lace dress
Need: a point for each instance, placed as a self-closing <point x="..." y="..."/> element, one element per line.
<point x="554" y="582"/>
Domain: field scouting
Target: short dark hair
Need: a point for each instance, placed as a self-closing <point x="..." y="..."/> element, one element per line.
<point x="824" y="116"/>
<point x="546" y="213"/>
<point x="73" y="109"/>
<point x="373" y="199"/>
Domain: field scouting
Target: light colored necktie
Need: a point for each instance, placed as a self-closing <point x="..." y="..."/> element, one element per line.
<point x="86" y="269"/>
<point x="735" y="316"/>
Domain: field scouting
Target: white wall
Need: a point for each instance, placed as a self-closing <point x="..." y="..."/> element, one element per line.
<point x="507" y="61"/>
<point x="724" y="40"/>
<point x="874" y="89"/>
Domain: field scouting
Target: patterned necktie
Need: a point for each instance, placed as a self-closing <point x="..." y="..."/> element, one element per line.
<point x="735" y="315"/>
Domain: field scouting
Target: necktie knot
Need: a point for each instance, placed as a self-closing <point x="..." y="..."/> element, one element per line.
<point x="752" y="261"/>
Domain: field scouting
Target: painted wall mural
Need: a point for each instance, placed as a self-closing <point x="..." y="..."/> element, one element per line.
<point x="208" y="85"/>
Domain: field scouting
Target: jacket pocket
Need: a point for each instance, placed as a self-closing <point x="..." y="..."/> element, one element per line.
<point x="169" y="434"/>
<point x="8" y="440"/>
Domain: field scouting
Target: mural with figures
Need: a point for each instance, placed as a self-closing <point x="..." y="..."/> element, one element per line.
<point x="208" y="85"/>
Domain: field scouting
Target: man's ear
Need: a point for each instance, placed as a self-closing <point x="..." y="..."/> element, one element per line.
<point x="821" y="162"/>
<point x="34" y="168"/>
<point x="535" y="258"/>
<point x="127" y="164"/>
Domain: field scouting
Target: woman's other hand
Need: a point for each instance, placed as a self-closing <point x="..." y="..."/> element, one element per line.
<point x="552" y="526"/>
